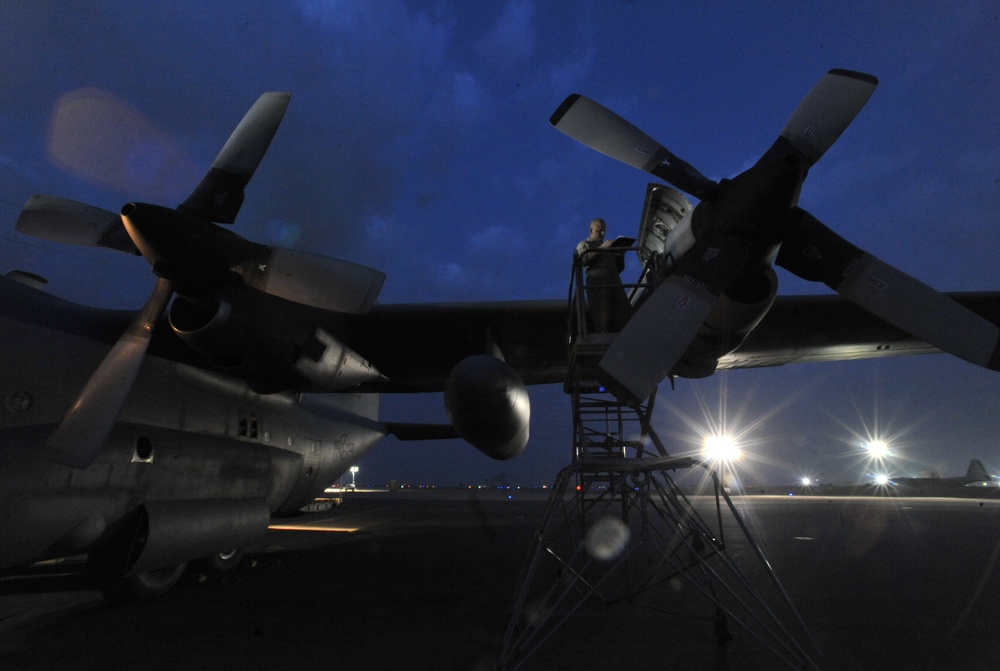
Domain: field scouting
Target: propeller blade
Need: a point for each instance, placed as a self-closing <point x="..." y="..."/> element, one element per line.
<point x="69" y="222"/>
<point x="88" y="423"/>
<point x="599" y="128"/>
<point x="814" y="252"/>
<point x="311" y="279"/>
<point x="220" y="194"/>
<point x="825" y="112"/>
<point x="661" y="330"/>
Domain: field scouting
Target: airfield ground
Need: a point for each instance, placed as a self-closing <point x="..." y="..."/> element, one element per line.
<point x="427" y="580"/>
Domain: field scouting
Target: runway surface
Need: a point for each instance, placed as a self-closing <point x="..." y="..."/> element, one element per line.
<point x="426" y="580"/>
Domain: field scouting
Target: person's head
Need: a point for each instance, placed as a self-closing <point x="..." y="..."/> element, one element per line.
<point x="597" y="229"/>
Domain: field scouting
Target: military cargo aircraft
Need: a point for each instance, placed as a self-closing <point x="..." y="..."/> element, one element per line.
<point x="976" y="477"/>
<point x="147" y="443"/>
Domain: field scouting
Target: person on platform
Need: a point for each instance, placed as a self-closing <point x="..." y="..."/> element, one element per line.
<point x="608" y="305"/>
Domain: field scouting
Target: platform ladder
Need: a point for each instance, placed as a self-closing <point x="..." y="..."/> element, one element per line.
<point x="620" y="534"/>
<point x="604" y="428"/>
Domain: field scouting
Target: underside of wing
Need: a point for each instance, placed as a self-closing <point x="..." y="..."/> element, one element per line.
<point x="417" y="345"/>
<point x="805" y="329"/>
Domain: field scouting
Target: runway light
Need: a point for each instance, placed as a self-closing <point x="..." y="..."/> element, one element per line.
<point x="721" y="448"/>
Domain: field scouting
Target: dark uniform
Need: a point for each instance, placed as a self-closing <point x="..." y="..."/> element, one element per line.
<point x="608" y="305"/>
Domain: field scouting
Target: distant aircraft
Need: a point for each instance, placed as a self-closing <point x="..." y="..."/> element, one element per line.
<point x="149" y="443"/>
<point x="976" y="477"/>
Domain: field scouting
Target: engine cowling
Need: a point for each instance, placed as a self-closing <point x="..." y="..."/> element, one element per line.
<point x="163" y="533"/>
<point x="207" y="328"/>
<point x="488" y="405"/>
<point x="738" y="311"/>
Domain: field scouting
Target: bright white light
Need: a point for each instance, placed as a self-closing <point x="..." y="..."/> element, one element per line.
<point x="721" y="448"/>
<point x="878" y="449"/>
<point x="881" y="479"/>
<point x="806" y="482"/>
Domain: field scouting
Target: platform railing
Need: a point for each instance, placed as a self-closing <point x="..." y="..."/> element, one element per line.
<point x="636" y="292"/>
<point x="632" y="557"/>
<point x="619" y="530"/>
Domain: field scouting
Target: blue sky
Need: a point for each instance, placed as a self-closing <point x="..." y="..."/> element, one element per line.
<point x="417" y="141"/>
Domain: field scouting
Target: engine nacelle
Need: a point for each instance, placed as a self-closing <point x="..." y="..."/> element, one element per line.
<point x="207" y="328"/>
<point x="488" y="405"/>
<point x="333" y="365"/>
<point x="738" y="311"/>
<point x="164" y="533"/>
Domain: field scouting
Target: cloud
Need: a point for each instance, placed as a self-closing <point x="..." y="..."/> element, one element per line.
<point x="497" y="240"/>
<point x="567" y="75"/>
<point x="469" y="94"/>
<point x="449" y="274"/>
<point x="510" y="42"/>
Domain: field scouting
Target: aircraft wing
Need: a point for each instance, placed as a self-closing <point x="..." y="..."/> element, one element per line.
<point x="416" y="346"/>
<point x="803" y="329"/>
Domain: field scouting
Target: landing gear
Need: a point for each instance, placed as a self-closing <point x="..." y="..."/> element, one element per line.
<point x="118" y="588"/>
<point x="154" y="583"/>
<point x="220" y="563"/>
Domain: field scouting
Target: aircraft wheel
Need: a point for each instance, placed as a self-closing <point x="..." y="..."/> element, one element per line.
<point x="141" y="585"/>
<point x="155" y="582"/>
<point x="221" y="562"/>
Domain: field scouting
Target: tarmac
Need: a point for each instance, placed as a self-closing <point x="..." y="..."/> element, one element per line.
<point x="427" y="579"/>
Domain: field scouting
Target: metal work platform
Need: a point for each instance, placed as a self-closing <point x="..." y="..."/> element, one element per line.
<point x="619" y="534"/>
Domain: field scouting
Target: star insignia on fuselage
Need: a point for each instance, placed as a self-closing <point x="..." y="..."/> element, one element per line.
<point x="344" y="446"/>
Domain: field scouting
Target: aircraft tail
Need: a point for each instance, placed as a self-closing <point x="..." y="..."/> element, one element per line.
<point x="977" y="472"/>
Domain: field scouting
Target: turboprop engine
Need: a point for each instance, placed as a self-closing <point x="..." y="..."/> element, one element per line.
<point x="488" y="405"/>
<point x="208" y="328"/>
<point x="738" y="311"/>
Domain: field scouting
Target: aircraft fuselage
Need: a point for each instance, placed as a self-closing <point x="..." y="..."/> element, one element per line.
<point x="189" y="442"/>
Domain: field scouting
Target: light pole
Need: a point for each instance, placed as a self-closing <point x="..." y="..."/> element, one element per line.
<point x="354" y="473"/>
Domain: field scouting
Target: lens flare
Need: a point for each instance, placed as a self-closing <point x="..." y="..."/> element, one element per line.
<point x="721" y="448"/>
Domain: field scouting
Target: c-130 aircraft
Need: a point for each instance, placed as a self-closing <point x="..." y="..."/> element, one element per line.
<point x="147" y="443"/>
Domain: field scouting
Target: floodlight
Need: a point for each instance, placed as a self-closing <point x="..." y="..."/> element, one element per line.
<point x="878" y="449"/>
<point x="721" y="448"/>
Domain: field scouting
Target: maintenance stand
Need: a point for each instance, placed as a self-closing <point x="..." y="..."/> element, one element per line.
<point x="620" y="538"/>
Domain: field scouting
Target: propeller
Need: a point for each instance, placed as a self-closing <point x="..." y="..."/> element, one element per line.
<point x="72" y="223"/>
<point x="82" y="432"/>
<point x="599" y="128"/>
<point x="194" y="257"/>
<point x="184" y="245"/>
<point x="814" y="252"/>
<point x="219" y="196"/>
<point x="740" y="223"/>
<point x="662" y="329"/>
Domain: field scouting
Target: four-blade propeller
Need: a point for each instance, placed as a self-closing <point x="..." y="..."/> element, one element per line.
<point x="740" y="224"/>
<point x="196" y="258"/>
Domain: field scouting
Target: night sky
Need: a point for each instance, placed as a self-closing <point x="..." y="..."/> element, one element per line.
<point x="417" y="141"/>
